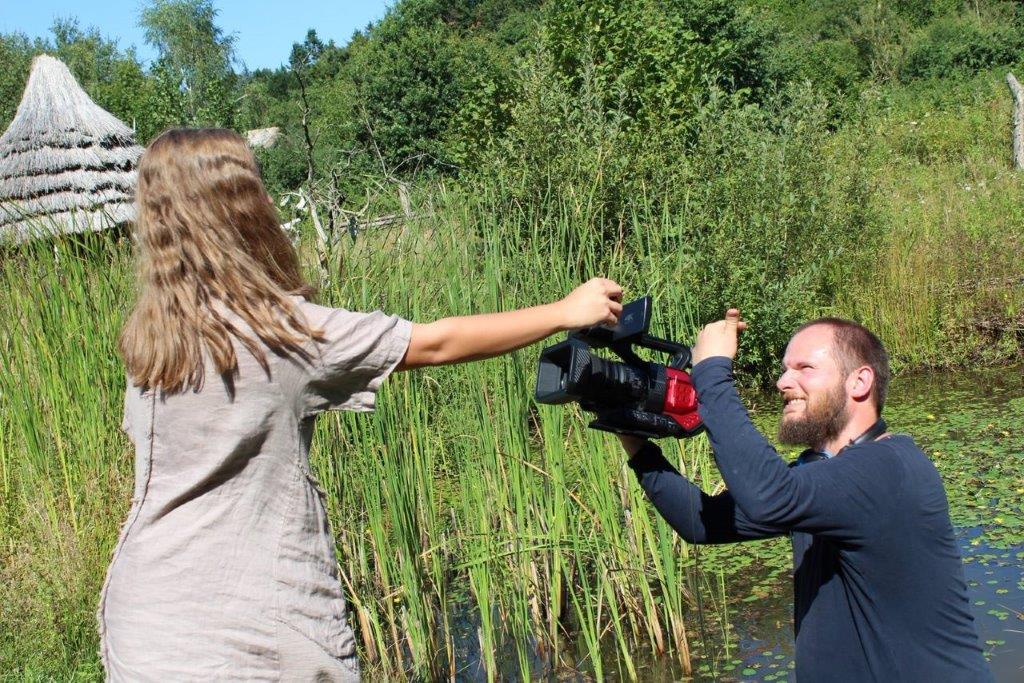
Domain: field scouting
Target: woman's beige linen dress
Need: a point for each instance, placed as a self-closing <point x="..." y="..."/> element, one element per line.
<point x="225" y="567"/>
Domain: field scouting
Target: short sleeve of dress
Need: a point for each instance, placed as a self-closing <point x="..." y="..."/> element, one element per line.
<point x="358" y="352"/>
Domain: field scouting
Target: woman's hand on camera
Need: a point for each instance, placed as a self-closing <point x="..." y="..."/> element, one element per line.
<point x="597" y="301"/>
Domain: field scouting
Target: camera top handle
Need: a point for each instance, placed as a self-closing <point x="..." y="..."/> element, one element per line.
<point x="630" y="331"/>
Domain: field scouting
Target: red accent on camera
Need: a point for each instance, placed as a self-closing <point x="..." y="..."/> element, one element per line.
<point x="681" y="400"/>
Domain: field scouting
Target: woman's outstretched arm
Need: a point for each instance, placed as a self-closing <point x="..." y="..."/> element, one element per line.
<point x="475" y="337"/>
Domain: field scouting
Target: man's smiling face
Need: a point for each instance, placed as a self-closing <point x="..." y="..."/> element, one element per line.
<point x="813" y="388"/>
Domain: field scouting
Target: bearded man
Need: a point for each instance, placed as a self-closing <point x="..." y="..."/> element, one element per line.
<point x="879" y="588"/>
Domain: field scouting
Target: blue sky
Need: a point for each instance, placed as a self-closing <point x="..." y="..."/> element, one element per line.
<point x="264" y="30"/>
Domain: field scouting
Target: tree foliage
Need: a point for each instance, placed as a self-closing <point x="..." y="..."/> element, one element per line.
<point x="654" y="62"/>
<point x="195" y="55"/>
<point x="440" y="86"/>
<point x="16" y="52"/>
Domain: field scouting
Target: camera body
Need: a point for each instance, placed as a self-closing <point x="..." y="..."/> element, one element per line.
<point x="634" y="396"/>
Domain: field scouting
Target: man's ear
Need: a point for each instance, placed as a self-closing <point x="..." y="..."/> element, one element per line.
<point x="860" y="382"/>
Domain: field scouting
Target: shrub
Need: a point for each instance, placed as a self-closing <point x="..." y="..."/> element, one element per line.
<point x="651" y="62"/>
<point x="832" y="65"/>
<point x="964" y="44"/>
<point x="747" y="209"/>
<point x="768" y="218"/>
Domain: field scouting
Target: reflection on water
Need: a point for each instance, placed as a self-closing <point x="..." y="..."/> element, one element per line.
<point x="995" y="579"/>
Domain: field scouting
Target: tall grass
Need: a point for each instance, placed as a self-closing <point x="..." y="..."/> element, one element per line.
<point x="498" y="511"/>
<point x="459" y="507"/>
<point x="65" y="468"/>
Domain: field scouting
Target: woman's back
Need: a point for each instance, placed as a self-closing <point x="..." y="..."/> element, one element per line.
<point x="223" y="473"/>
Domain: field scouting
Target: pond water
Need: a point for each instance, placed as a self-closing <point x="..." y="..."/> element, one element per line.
<point x="763" y="645"/>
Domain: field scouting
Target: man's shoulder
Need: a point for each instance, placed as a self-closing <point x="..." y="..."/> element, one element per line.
<point x="903" y="473"/>
<point x="901" y="452"/>
<point x="892" y="454"/>
<point x="902" y="445"/>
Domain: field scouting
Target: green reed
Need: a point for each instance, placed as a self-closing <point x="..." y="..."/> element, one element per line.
<point x="474" y="528"/>
<point x="64" y="465"/>
<point x="463" y="501"/>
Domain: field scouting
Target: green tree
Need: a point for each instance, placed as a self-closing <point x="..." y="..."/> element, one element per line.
<point x="432" y="80"/>
<point x="196" y="54"/>
<point x="651" y="61"/>
<point x="964" y="44"/>
<point x="87" y="53"/>
<point x="920" y="11"/>
<point x="16" y="52"/>
<point x="408" y="88"/>
<point x="111" y="76"/>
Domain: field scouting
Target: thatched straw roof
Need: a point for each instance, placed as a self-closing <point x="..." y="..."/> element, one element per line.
<point x="264" y="138"/>
<point x="66" y="165"/>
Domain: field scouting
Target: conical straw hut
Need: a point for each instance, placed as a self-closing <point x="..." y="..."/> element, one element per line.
<point x="66" y="165"/>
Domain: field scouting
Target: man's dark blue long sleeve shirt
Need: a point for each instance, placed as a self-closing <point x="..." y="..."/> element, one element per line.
<point x="879" y="588"/>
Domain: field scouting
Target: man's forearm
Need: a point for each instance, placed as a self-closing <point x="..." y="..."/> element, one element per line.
<point x="694" y="515"/>
<point x="760" y="481"/>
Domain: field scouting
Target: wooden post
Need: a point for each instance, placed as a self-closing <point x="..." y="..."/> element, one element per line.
<point x="1018" y="120"/>
<point x="403" y="199"/>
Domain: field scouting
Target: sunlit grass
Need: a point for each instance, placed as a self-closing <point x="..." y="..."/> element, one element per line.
<point x="459" y="505"/>
<point x="946" y="282"/>
<point x="482" y="506"/>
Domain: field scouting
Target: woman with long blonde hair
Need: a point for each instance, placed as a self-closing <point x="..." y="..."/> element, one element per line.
<point x="225" y="567"/>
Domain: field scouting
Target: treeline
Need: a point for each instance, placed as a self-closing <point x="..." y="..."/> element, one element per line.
<point x="762" y="137"/>
<point x="434" y="85"/>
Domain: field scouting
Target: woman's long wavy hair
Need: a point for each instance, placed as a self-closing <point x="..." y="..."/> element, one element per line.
<point x="208" y="238"/>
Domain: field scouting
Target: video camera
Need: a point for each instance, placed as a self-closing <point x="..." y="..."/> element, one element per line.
<point x="635" y="397"/>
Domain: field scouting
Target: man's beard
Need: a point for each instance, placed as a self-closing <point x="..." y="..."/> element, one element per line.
<point x="822" y="421"/>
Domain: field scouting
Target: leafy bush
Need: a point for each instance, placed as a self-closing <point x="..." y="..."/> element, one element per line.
<point x="921" y="11"/>
<point x="652" y="62"/>
<point x="747" y="209"/>
<point x="407" y="87"/>
<point x="283" y="166"/>
<point x="964" y="44"/>
<point x="768" y="220"/>
<point x="431" y="80"/>
<point x="16" y="52"/>
<point x="832" y="65"/>
<point x="563" y="144"/>
<point x="487" y="83"/>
